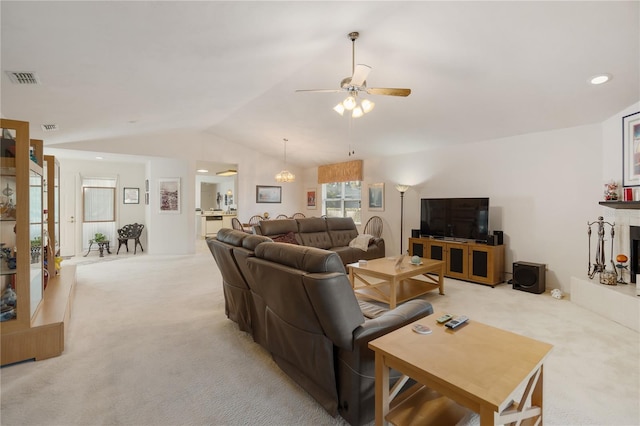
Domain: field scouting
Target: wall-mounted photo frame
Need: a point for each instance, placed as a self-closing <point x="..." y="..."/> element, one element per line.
<point x="169" y="195"/>
<point x="131" y="196"/>
<point x="376" y="197"/>
<point x="631" y="149"/>
<point x="311" y="199"/>
<point x="268" y="194"/>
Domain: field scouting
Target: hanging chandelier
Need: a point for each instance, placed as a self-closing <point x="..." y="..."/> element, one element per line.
<point x="285" y="175"/>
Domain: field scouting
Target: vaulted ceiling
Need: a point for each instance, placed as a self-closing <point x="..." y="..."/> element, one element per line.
<point x="477" y="70"/>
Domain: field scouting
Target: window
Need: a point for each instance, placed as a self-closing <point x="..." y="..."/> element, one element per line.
<point x="99" y="208"/>
<point x="342" y="199"/>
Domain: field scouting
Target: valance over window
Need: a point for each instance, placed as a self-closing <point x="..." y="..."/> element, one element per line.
<point x="340" y="172"/>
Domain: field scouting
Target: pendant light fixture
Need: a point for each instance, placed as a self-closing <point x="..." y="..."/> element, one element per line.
<point x="285" y="175"/>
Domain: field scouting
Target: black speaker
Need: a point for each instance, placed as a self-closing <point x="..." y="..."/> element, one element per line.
<point x="499" y="238"/>
<point x="415" y="233"/>
<point x="529" y="277"/>
<point x="492" y="240"/>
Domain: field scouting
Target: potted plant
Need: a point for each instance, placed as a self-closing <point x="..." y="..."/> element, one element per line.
<point x="36" y="249"/>
<point x="99" y="237"/>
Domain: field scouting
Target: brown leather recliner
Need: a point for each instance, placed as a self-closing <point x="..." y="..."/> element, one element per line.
<point x="315" y="329"/>
<point x="237" y="298"/>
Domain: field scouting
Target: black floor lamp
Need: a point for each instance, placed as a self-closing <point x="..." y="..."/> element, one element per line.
<point x="402" y="189"/>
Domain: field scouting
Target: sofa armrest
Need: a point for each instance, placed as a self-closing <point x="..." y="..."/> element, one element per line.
<point x="391" y="320"/>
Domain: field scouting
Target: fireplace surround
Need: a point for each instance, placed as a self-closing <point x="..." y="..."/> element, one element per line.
<point x="634" y="252"/>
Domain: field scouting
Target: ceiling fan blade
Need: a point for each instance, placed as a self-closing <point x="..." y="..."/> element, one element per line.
<point x="360" y="74"/>
<point x="388" y="91"/>
<point x="320" y="90"/>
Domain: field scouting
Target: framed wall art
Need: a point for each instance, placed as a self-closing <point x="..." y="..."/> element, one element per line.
<point x="131" y="196"/>
<point x="268" y="194"/>
<point x="376" y="197"/>
<point x="311" y="199"/>
<point x="631" y="149"/>
<point x="169" y="195"/>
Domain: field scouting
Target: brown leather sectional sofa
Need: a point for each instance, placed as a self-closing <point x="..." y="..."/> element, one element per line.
<point x="331" y="233"/>
<point x="297" y="302"/>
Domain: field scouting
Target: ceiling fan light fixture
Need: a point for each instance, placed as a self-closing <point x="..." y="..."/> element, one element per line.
<point x="349" y="103"/>
<point x="367" y="105"/>
<point x="339" y="108"/>
<point x="357" y="112"/>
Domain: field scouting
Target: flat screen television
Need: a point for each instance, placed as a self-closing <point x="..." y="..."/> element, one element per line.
<point x="455" y="218"/>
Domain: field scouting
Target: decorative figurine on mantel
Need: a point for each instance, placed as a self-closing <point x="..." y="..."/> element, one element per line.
<point x="611" y="191"/>
<point x="600" y="265"/>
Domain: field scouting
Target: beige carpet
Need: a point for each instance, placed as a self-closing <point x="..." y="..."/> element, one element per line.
<point x="149" y="344"/>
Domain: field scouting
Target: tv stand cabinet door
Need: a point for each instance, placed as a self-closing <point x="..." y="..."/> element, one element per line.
<point x="486" y="264"/>
<point x="457" y="261"/>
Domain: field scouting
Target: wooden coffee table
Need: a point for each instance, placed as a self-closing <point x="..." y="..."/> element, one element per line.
<point x="474" y="367"/>
<point x="398" y="284"/>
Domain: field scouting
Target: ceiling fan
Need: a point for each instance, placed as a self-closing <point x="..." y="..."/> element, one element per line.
<point x="356" y="83"/>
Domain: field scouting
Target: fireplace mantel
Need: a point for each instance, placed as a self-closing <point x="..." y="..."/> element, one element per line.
<point x="621" y="204"/>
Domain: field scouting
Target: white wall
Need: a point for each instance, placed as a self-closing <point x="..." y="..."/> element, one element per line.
<point x="129" y="174"/>
<point x="171" y="233"/>
<point x="543" y="188"/>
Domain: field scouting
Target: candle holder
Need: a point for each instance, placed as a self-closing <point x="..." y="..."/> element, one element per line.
<point x="622" y="260"/>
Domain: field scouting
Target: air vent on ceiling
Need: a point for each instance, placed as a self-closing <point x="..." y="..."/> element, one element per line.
<point x="23" y="77"/>
<point x="49" y="127"/>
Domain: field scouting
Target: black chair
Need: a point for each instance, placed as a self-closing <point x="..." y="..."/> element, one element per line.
<point x="298" y="216"/>
<point x="130" y="232"/>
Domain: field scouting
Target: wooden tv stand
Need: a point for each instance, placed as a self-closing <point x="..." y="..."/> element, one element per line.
<point x="464" y="260"/>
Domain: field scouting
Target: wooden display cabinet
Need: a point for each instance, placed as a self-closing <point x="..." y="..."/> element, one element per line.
<point x="32" y="322"/>
<point x="468" y="261"/>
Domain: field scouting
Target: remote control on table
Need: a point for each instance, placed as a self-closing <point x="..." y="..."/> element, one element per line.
<point x="456" y="322"/>
<point x="444" y="318"/>
<point x="421" y="329"/>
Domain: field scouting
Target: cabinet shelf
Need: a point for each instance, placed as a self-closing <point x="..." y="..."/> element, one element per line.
<point x="621" y="204"/>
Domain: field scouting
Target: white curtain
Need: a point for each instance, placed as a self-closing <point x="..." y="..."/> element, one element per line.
<point x="99" y="209"/>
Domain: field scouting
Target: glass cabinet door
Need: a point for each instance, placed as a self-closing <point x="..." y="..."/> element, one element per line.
<point x="35" y="234"/>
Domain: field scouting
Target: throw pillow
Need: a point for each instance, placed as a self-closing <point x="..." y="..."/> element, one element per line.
<point x="289" y="238"/>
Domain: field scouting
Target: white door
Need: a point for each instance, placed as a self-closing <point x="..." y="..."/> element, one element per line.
<point x="69" y="184"/>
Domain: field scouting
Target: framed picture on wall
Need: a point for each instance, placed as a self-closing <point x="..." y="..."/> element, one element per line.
<point x="131" y="196"/>
<point x="169" y="195"/>
<point x="376" y="197"/>
<point x="268" y="194"/>
<point x="311" y="199"/>
<point x="631" y="149"/>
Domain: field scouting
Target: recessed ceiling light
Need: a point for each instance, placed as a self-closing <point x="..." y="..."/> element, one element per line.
<point x="202" y="171"/>
<point x="600" y="79"/>
<point x="99" y="158"/>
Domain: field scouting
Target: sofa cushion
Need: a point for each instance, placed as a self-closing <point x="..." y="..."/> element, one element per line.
<point x="342" y="230"/>
<point x="309" y="259"/>
<point x="312" y="232"/>
<point x="278" y="227"/>
<point x="231" y="236"/>
<point x="250" y="242"/>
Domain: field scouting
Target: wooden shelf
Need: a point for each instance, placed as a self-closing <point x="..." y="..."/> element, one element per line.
<point x="45" y="337"/>
<point x="621" y="204"/>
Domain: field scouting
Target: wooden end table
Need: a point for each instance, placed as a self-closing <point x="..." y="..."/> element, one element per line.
<point x="474" y="367"/>
<point x="398" y="284"/>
